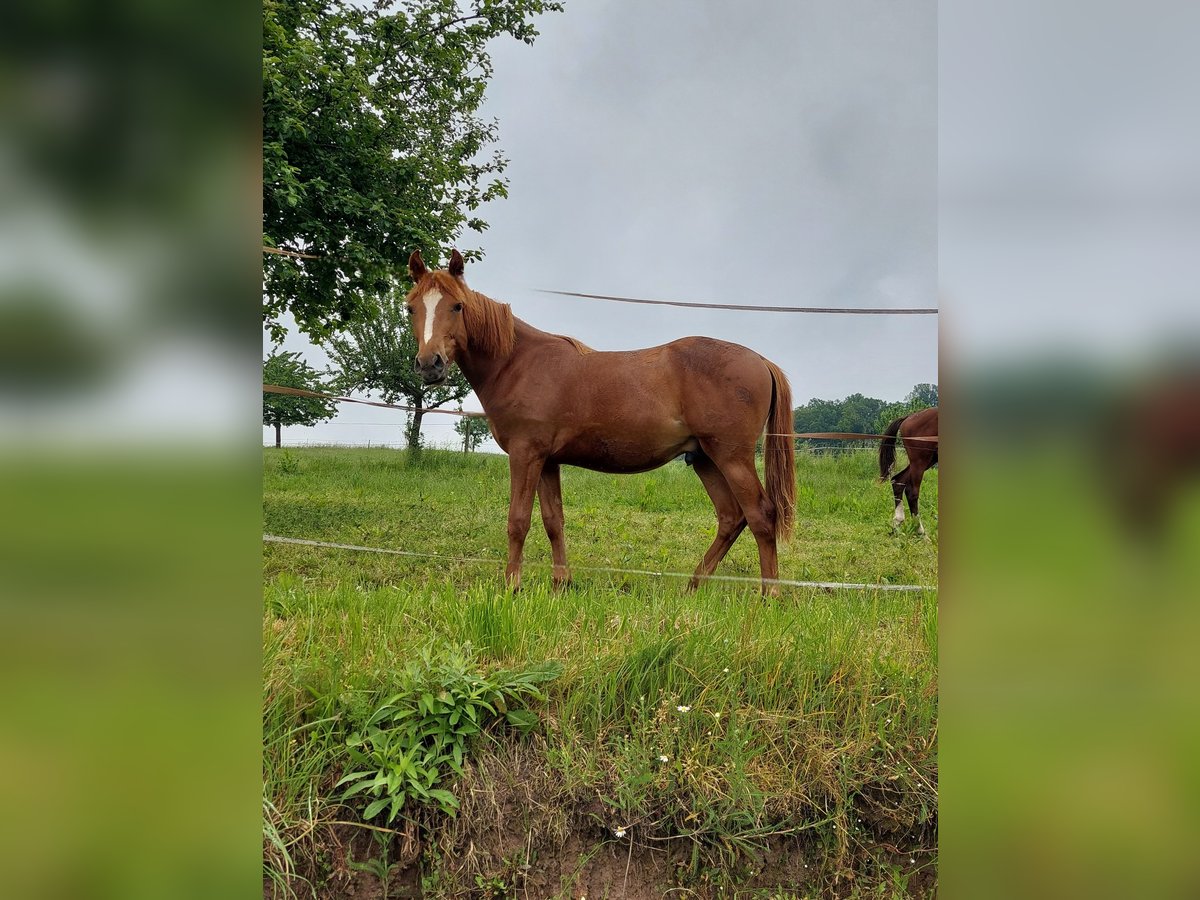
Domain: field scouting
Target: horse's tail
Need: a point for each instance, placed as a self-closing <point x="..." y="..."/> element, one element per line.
<point x="779" y="452"/>
<point x="887" y="449"/>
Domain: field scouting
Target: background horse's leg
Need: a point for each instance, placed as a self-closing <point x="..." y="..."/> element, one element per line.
<point x="730" y="521"/>
<point x="524" y="470"/>
<point x="550" y="498"/>
<point x="899" y="486"/>
<point x="742" y="478"/>
<point x="913" y="492"/>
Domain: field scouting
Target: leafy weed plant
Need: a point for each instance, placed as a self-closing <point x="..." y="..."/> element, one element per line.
<point x="413" y="742"/>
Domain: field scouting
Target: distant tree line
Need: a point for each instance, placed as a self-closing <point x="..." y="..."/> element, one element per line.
<point x="858" y="413"/>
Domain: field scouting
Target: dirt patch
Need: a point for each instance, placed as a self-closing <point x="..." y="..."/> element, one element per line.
<point x="583" y="867"/>
<point x="521" y="834"/>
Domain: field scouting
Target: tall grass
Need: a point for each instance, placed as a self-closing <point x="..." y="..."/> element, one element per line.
<point x="718" y="718"/>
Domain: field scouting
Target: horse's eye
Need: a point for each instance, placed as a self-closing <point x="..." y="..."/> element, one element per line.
<point x="458" y="307"/>
<point x="409" y="310"/>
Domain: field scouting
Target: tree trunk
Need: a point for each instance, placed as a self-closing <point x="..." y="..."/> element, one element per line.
<point x="414" y="430"/>
<point x="278" y="435"/>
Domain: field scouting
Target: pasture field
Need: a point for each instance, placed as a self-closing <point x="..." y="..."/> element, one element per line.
<point x="639" y="741"/>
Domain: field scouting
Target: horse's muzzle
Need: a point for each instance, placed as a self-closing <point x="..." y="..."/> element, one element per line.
<point x="432" y="371"/>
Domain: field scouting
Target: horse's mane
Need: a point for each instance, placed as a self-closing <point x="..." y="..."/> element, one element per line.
<point x="489" y="323"/>
<point x="576" y="343"/>
<point x="490" y="327"/>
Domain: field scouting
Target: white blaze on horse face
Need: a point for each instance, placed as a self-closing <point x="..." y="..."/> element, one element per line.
<point x="432" y="299"/>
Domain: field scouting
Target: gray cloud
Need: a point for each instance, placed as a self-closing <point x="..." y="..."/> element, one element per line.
<point x="780" y="152"/>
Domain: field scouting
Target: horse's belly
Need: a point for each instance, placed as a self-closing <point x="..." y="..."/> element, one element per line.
<point x="624" y="452"/>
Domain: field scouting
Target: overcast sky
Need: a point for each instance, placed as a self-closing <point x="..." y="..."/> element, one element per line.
<point x="1070" y="194"/>
<point x="784" y="154"/>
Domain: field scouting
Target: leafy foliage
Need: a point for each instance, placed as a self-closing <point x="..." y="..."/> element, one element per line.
<point x="473" y="431"/>
<point x="289" y="370"/>
<point x="412" y="742"/>
<point x="859" y="413"/>
<point x="922" y="396"/>
<point x="376" y="355"/>
<point x="371" y="143"/>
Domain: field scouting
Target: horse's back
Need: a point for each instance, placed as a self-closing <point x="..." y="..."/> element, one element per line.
<point x="630" y="410"/>
<point x="678" y="369"/>
<point x="923" y="423"/>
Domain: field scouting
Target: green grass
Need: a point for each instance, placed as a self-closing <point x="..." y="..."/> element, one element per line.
<point x="810" y="730"/>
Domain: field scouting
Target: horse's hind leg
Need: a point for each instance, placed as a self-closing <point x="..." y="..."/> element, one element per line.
<point x="899" y="488"/>
<point x="730" y="521"/>
<point x="912" y="491"/>
<point x="739" y="472"/>
<point x="550" y="498"/>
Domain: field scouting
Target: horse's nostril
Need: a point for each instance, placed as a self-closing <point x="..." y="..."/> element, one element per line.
<point x="438" y="362"/>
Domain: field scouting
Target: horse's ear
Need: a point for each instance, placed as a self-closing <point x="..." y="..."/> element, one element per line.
<point x="416" y="266"/>
<point x="456" y="264"/>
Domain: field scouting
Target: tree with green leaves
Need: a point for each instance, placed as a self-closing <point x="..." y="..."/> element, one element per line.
<point x="376" y="356"/>
<point x="922" y="396"/>
<point x="817" y="415"/>
<point x="372" y="145"/>
<point x="289" y="370"/>
<point x="473" y="430"/>
<point x="859" y="413"/>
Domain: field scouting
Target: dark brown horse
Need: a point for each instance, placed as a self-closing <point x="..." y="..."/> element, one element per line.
<point x="922" y="455"/>
<point x="1150" y="448"/>
<point x="551" y="401"/>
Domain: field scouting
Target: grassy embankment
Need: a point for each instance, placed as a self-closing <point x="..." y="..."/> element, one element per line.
<point x="799" y="734"/>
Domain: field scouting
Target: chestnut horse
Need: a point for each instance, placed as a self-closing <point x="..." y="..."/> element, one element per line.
<point x="921" y="456"/>
<point x="551" y="401"/>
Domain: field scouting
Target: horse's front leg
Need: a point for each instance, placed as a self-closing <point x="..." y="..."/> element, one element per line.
<point x="524" y="470"/>
<point x="550" y="497"/>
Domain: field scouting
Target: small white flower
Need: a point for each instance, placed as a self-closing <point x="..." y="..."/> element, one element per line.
<point x="683" y="709"/>
<point x="726" y="670"/>
<point x="911" y="860"/>
<point x="619" y="832"/>
<point x="662" y="757"/>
